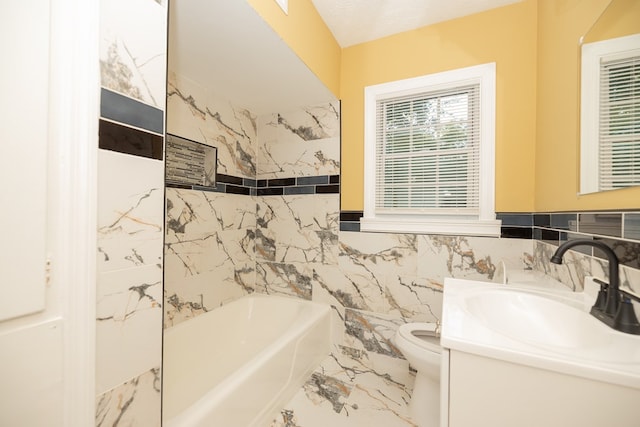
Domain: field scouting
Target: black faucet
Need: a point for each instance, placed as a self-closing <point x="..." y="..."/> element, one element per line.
<point x="610" y="307"/>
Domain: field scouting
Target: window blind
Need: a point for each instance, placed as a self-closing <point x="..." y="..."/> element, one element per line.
<point x="619" y="126"/>
<point x="428" y="152"/>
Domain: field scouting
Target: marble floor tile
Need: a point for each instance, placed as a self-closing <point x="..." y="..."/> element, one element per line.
<point x="352" y="388"/>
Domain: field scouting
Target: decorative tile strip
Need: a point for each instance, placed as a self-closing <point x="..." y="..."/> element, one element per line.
<point x="126" y="140"/>
<point x="122" y="109"/>
<point x="190" y="163"/>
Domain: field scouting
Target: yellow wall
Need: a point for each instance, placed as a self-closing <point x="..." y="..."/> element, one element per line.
<point x="535" y="46"/>
<point x="308" y="36"/>
<point x="560" y="26"/>
<point x="506" y="36"/>
<point x="621" y="18"/>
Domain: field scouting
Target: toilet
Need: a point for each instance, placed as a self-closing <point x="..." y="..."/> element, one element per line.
<point x="420" y="345"/>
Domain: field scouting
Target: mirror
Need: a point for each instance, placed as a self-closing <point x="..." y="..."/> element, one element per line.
<point x="610" y="100"/>
<point x="232" y="84"/>
<point x="227" y="47"/>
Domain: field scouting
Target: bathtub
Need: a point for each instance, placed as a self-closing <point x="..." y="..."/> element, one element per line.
<point x="237" y="365"/>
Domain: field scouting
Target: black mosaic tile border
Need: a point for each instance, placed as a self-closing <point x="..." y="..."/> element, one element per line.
<point x="230" y="184"/>
<point x="619" y="230"/>
<point x="122" y="109"/>
<point x="129" y="126"/>
<point x="516" y="232"/>
<point x="621" y="225"/>
<point x="126" y="140"/>
<point x="350" y="220"/>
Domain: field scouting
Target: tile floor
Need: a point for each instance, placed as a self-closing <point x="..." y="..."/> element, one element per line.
<point x="352" y="388"/>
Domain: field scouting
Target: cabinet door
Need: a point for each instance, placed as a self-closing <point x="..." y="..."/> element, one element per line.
<point x="24" y="43"/>
<point x="491" y="392"/>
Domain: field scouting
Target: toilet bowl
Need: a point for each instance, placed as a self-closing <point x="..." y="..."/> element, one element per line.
<point x="420" y="345"/>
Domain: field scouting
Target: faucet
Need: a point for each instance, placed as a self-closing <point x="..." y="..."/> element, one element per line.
<point x="609" y="307"/>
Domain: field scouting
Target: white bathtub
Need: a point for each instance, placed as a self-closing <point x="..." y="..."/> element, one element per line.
<point x="236" y="366"/>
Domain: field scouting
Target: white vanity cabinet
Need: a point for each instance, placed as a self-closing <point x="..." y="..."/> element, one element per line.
<point x="482" y="391"/>
<point x="531" y="355"/>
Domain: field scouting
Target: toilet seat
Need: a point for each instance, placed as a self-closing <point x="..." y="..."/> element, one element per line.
<point x="423" y="335"/>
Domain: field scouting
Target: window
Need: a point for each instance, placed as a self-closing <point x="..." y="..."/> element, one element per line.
<point x="610" y="114"/>
<point x="429" y="154"/>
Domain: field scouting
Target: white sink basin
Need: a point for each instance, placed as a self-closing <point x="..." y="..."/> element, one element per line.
<point x="536" y="318"/>
<point x="539" y="327"/>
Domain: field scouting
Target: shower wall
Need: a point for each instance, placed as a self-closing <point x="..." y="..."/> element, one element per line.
<point x="209" y="241"/>
<point x="278" y="231"/>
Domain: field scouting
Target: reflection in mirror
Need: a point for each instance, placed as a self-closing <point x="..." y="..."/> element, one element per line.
<point x="235" y="85"/>
<point x="610" y="100"/>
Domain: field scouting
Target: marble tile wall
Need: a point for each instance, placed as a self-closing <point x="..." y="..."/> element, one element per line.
<point x="618" y="230"/>
<point x="196" y="113"/>
<point x="576" y="266"/>
<point x="220" y="246"/>
<point x="209" y="241"/>
<point x="209" y="251"/>
<point x="215" y="250"/>
<point x="352" y="388"/>
<point x="130" y="212"/>
<point x="299" y="143"/>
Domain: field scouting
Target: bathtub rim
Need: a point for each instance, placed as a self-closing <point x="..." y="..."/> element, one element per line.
<point x="321" y="314"/>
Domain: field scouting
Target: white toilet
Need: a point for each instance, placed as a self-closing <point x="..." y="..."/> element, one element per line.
<point x="420" y="345"/>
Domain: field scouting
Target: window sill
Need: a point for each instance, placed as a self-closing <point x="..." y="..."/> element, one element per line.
<point x="464" y="227"/>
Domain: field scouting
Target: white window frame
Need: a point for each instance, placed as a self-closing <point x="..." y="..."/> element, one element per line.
<point x="592" y="55"/>
<point x="483" y="224"/>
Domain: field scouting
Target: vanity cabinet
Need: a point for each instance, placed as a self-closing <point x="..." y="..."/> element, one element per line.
<point x="482" y="391"/>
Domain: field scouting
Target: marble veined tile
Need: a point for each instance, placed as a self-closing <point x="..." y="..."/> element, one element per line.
<point x="470" y="257"/>
<point x="630" y="280"/>
<point x="372" y="332"/>
<point x="352" y="388"/>
<point x="130" y="206"/>
<point x="292" y="279"/>
<point x="177" y="308"/>
<point x="203" y="271"/>
<point x="377" y="409"/>
<point x="195" y="113"/>
<point x="215" y="252"/>
<point x="192" y="212"/>
<point x="371" y="370"/>
<point x="114" y="254"/>
<point x="305" y="142"/>
<point x="330" y="285"/>
<point x="370" y="261"/>
<point x="576" y="266"/>
<point x="299" y="228"/>
<point x="133" y="49"/>
<point x="415" y="299"/>
<point x="198" y="294"/>
<point x="136" y="402"/>
<point x="128" y="327"/>
<point x="309" y="123"/>
<point x="311" y="158"/>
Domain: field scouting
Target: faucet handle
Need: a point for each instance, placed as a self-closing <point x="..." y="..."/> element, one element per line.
<point x="626" y="320"/>
<point x="601" y="300"/>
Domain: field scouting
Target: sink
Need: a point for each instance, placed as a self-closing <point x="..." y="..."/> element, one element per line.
<point x="537" y="326"/>
<point x="537" y="318"/>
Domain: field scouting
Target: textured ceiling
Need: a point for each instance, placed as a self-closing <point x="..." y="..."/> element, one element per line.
<point x="358" y="21"/>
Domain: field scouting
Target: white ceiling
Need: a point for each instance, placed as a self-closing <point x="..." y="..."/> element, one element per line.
<point x="358" y="21"/>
